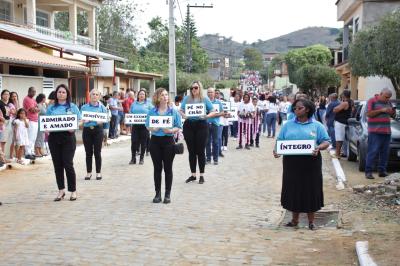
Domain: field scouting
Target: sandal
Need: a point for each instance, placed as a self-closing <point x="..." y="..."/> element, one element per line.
<point x="292" y="224"/>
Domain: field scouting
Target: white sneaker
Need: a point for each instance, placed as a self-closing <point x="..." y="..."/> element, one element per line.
<point x="225" y="148"/>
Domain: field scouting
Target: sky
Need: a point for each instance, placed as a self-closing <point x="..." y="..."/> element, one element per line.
<point x="247" y="20"/>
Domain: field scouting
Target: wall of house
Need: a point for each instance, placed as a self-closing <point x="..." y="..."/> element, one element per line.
<point x="20" y="84"/>
<point x="368" y="87"/>
<point x="373" y="11"/>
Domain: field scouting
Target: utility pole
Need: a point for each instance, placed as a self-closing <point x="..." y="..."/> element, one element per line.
<point x="172" y="57"/>
<point x="189" y="38"/>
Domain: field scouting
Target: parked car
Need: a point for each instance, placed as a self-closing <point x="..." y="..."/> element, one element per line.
<point x="357" y="136"/>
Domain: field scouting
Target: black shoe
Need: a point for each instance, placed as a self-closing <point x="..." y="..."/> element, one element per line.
<point x="257" y="145"/>
<point x="30" y="157"/>
<point x="99" y="177"/>
<point x="59" y="198"/>
<point x="141" y="161"/>
<point x="167" y="198"/>
<point x="1" y="203"/>
<point x="251" y="144"/>
<point x="201" y="180"/>
<point x="215" y="163"/>
<point x="247" y="147"/>
<point x="311" y="226"/>
<point x="88" y="177"/>
<point x="133" y="161"/>
<point x="221" y="155"/>
<point x="369" y="176"/>
<point x="239" y="147"/>
<point x="190" y="179"/>
<point x="157" y="197"/>
<point x="147" y="153"/>
<point x="292" y="224"/>
<point x="383" y="174"/>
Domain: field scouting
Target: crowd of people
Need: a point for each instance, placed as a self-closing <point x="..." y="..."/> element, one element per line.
<point x="205" y="122"/>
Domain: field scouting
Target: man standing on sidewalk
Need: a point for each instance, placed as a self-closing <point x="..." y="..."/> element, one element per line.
<point x="379" y="112"/>
<point x="32" y="111"/>
<point x="330" y="117"/>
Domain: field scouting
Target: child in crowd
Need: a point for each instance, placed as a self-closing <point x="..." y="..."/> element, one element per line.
<point x="21" y="124"/>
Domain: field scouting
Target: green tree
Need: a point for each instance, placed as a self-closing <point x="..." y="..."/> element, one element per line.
<point x="376" y="51"/>
<point x="315" y="79"/>
<point x="253" y="59"/>
<point x="311" y="55"/>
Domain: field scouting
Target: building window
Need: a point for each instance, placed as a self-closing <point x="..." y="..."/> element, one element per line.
<point x="356" y="25"/>
<point x="5" y="10"/>
<point x="42" y="18"/>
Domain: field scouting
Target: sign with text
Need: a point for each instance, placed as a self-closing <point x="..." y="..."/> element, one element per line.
<point x="226" y="106"/>
<point x="216" y="108"/>
<point x="135" y="119"/>
<point x="195" y="109"/>
<point x="295" y="147"/>
<point x="234" y="114"/>
<point x="94" y="116"/>
<point x="161" y="121"/>
<point x="58" y="122"/>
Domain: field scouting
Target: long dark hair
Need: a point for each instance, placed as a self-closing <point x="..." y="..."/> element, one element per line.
<point x="11" y="95"/>
<point x="40" y="97"/>
<point x="68" y="94"/>
<point x="272" y="99"/>
<point x="145" y="95"/>
<point x="4" y="91"/>
<point x="20" y="110"/>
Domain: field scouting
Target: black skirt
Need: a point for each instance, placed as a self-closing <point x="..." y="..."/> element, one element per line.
<point x="302" y="183"/>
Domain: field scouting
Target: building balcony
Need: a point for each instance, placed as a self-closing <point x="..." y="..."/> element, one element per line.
<point x="63" y="36"/>
<point x="346" y="7"/>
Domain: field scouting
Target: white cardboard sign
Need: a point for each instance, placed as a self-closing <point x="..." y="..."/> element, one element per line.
<point x="234" y="114"/>
<point x="226" y="106"/>
<point x="295" y="147"/>
<point x="161" y="121"/>
<point x="195" y="109"/>
<point x="135" y="119"/>
<point x="216" y="107"/>
<point x="95" y="116"/>
<point x="58" y="122"/>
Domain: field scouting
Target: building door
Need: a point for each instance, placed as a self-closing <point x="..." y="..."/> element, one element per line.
<point x="79" y="87"/>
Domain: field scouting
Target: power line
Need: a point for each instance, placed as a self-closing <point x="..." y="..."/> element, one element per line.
<point x="180" y="11"/>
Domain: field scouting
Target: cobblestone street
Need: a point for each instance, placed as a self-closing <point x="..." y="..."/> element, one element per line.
<point x="231" y="219"/>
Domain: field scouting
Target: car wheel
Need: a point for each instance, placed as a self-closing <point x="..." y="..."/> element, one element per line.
<point x="351" y="156"/>
<point x="361" y="159"/>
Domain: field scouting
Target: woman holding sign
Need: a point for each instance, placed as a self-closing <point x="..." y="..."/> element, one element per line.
<point x="92" y="134"/>
<point x="195" y="109"/>
<point x="140" y="134"/>
<point x="302" y="174"/>
<point x="62" y="143"/>
<point x="163" y="122"/>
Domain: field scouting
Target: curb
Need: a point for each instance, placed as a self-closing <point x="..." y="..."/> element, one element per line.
<point x="340" y="176"/>
<point x="362" y="252"/>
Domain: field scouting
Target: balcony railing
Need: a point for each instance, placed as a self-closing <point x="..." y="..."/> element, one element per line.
<point x="58" y="34"/>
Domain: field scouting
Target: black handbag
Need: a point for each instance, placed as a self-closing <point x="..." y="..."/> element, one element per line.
<point x="178" y="148"/>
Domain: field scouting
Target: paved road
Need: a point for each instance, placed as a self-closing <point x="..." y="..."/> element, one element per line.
<point x="231" y="219"/>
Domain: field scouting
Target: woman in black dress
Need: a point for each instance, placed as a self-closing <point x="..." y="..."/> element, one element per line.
<point x="302" y="190"/>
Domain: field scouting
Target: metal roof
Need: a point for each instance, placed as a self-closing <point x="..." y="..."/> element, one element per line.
<point x="16" y="53"/>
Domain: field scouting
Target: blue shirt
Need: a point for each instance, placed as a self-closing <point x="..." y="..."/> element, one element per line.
<point x="140" y="107"/>
<point x="215" y="120"/>
<point x="290" y="114"/>
<point x="113" y="103"/>
<point x="176" y="120"/>
<point x="206" y="101"/>
<point x="330" y="115"/>
<point x="99" y="108"/>
<point x="295" y="130"/>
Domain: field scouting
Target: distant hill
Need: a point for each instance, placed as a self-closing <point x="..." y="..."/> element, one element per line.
<point x="218" y="46"/>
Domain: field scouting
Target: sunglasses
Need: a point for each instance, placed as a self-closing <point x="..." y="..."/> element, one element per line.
<point x="298" y="108"/>
<point x="195" y="88"/>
